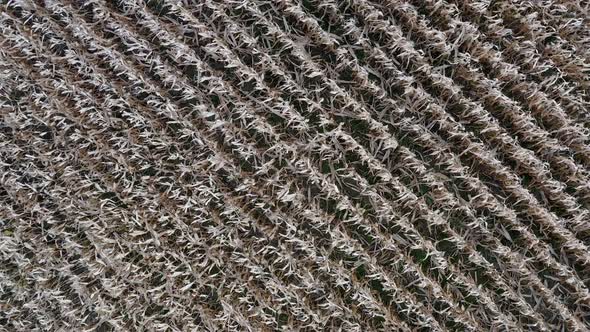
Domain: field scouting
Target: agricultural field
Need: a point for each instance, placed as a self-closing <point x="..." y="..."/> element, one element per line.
<point x="294" y="165"/>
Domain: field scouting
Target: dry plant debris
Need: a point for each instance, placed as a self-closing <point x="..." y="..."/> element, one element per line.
<point x="294" y="165"/>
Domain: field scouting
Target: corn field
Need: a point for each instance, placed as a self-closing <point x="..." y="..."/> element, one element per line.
<point x="294" y="165"/>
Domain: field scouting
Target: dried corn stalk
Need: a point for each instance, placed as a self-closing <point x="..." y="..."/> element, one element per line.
<point x="318" y="165"/>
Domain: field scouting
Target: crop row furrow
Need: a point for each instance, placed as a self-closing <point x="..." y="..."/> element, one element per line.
<point x="530" y="239"/>
<point x="512" y="120"/>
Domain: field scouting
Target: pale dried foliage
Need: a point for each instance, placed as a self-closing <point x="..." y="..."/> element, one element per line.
<point x="316" y="165"/>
